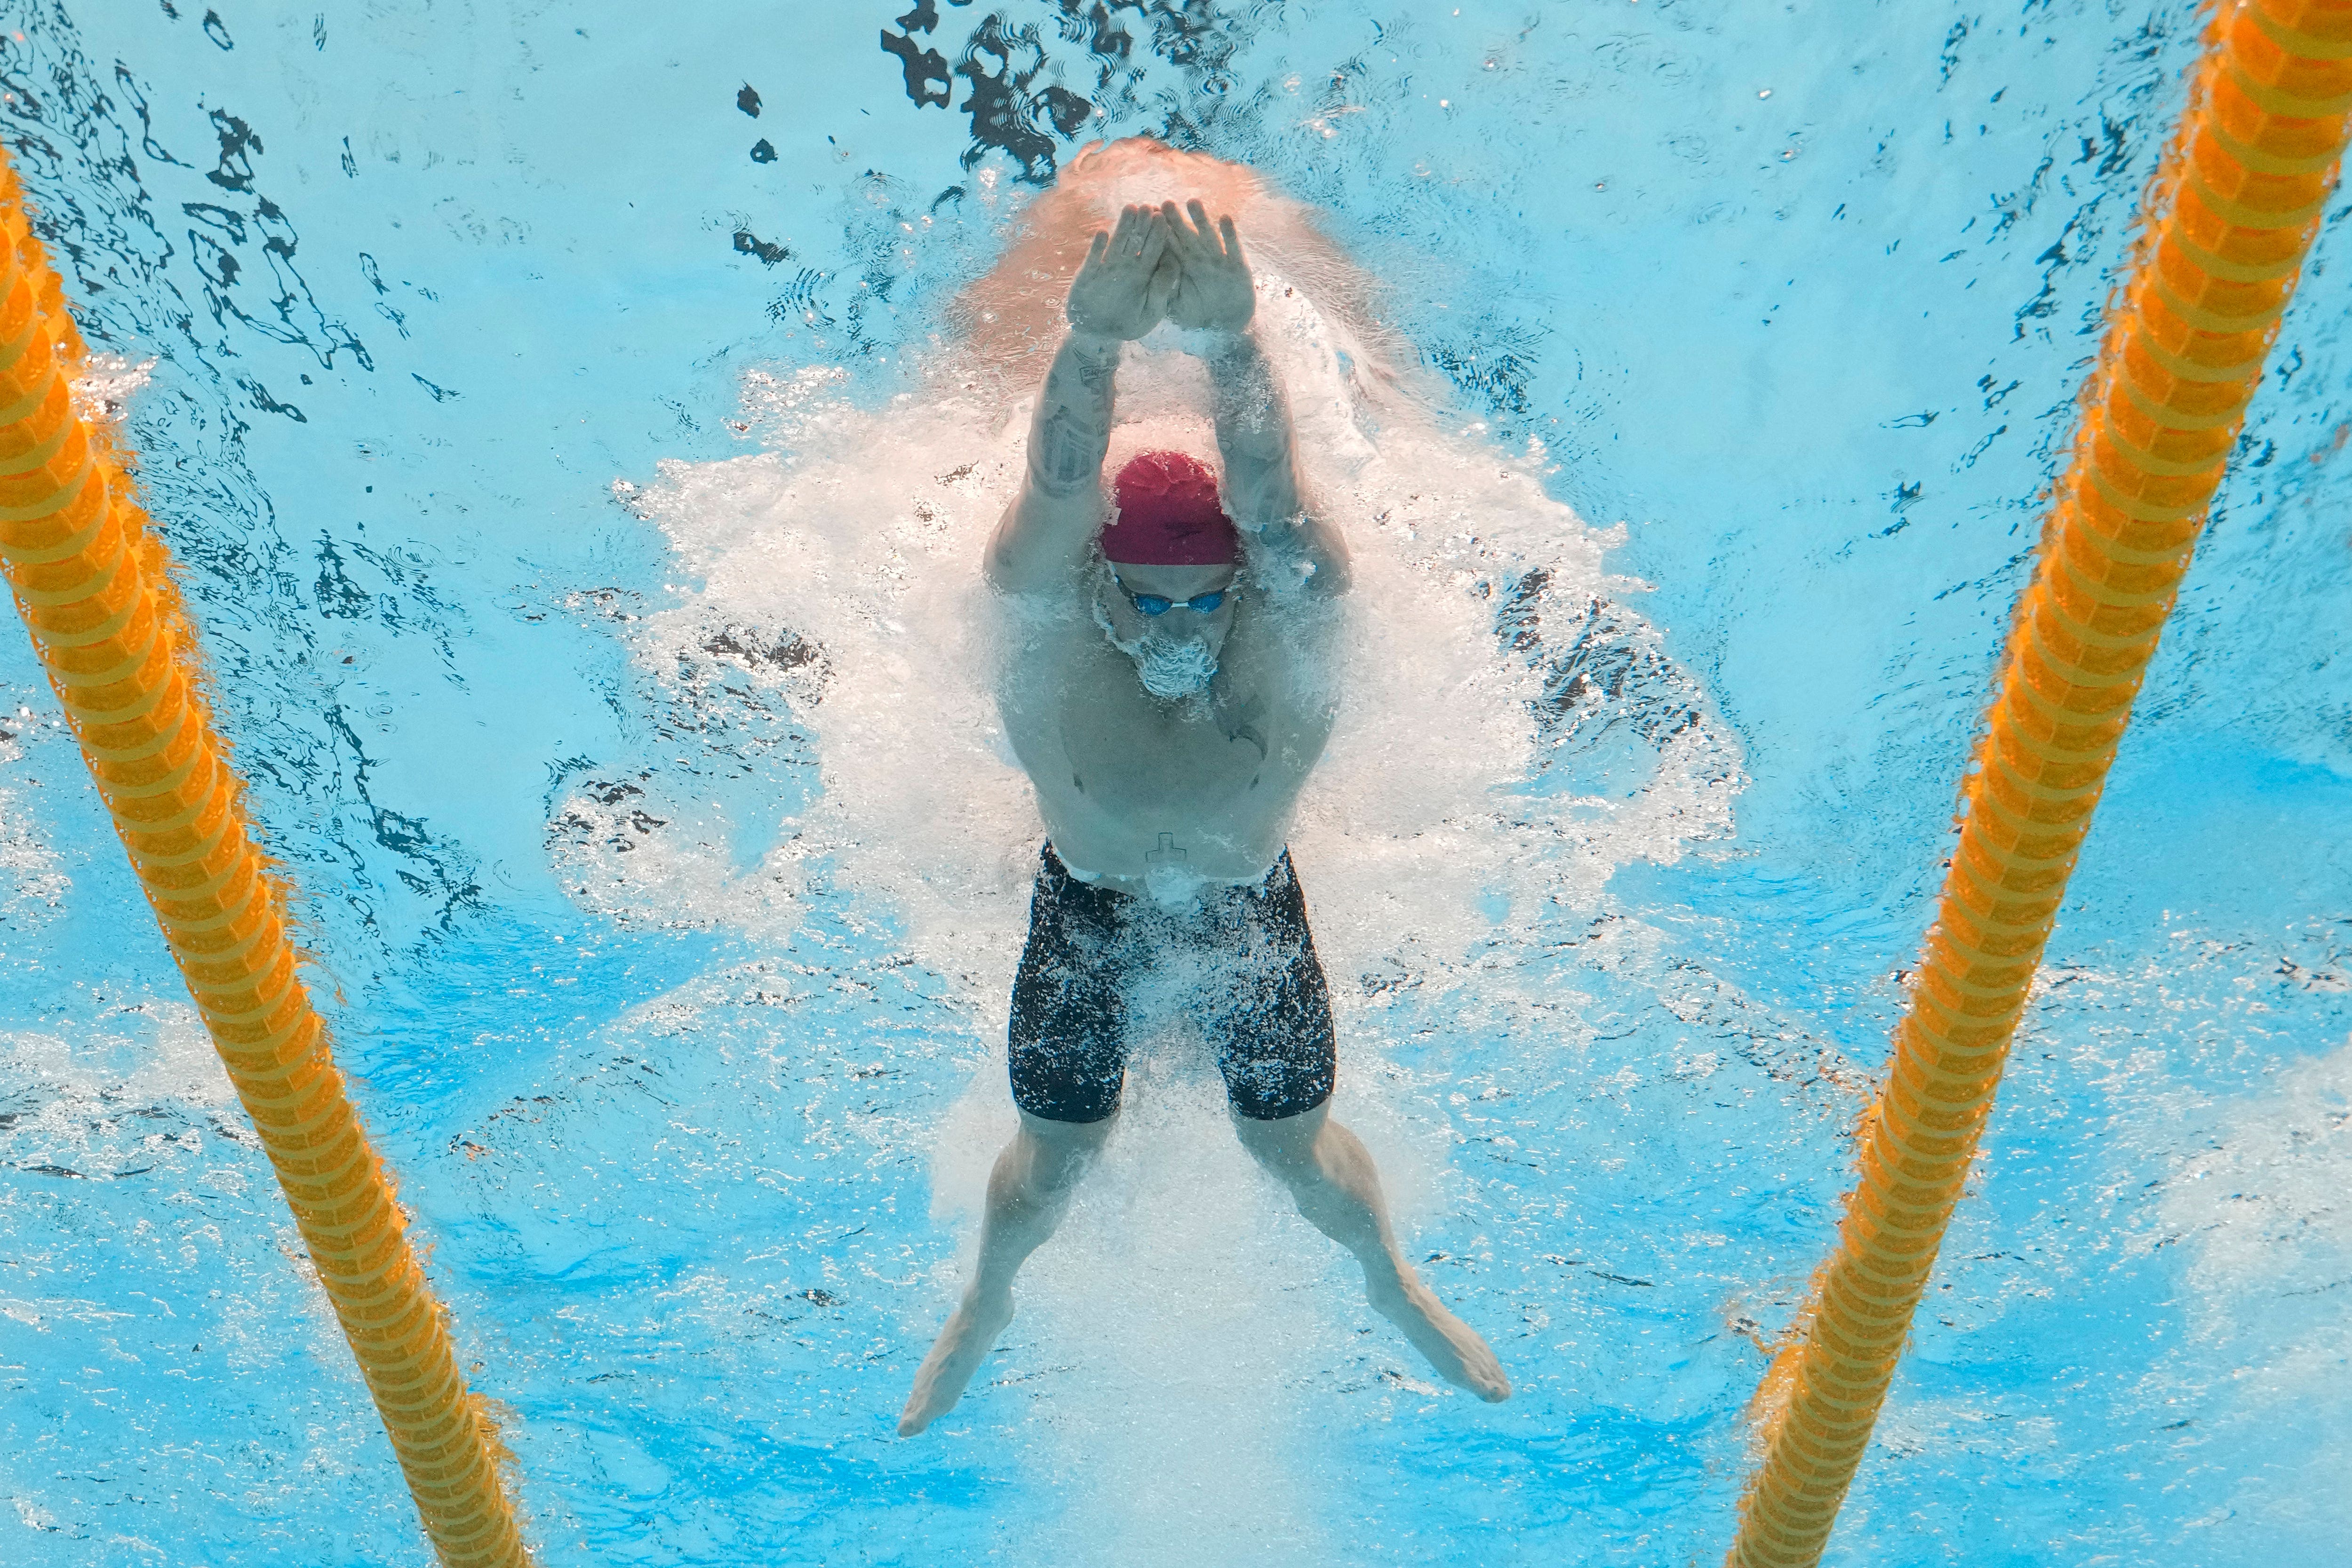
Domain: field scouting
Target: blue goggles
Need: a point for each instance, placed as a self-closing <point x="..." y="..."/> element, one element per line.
<point x="1153" y="604"/>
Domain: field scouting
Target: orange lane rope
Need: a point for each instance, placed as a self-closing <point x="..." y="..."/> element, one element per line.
<point x="93" y="584"/>
<point x="2234" y="209"/>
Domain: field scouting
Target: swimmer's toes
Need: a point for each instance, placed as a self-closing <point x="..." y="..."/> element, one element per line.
<point x="969" y="1334"/>
<point x="923" y="1407"/>
<point x="1454" y="1349"/>
<point x="1479" y="1371"/>
<point x="1482" y="1373"/>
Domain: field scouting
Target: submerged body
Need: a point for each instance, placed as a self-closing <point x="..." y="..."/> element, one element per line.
<point x="1167" y="696"/>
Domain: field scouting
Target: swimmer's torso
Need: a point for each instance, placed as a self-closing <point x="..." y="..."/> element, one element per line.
<point x="1130" y="785"/>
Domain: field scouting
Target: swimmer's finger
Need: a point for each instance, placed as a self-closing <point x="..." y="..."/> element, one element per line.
<point x="1155" y="242"/>
<point x="1180" y="237"/>
<point x="1174" y="224"/>
<point x="1162" y="284"/>
<point x="1232" y="237"/>
<point x="1151" y="236"/>
<point x="1094" y="251"/>
<point x="1202" y="233"/>
<point x="1122" y="238"/>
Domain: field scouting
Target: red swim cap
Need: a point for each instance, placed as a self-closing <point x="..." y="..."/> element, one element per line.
<point x="1167" y="515"/>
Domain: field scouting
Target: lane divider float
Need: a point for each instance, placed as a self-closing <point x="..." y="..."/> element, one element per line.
<point x="93" y="583"/>
<point x="2234" y="210"/>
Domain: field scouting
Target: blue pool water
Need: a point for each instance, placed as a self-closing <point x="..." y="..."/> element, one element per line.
<point x="576" y="474"/>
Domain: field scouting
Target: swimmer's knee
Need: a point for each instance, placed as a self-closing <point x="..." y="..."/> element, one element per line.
<point x="1275" y="1137"/>
<point x="1072" y="1135"/>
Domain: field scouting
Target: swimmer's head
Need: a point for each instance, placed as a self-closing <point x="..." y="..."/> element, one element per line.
<point x="1171" y="557"/>
<point x="1165" y="512"/>
<point x="1155" y="615"/>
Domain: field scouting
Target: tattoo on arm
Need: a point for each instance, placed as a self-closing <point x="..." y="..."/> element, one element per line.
<point x="1072" y="430"/>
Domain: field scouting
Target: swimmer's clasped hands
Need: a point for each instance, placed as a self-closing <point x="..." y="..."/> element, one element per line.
<point x="1163" y="263"/>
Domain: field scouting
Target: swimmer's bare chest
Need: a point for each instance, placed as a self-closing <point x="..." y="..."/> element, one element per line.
<point x="1128" y="783"/>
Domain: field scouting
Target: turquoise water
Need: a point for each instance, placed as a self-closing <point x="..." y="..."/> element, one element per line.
<point x="563" y="460"/>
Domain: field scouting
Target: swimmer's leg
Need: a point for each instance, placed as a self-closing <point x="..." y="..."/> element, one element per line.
<point x="1066" y="1063"/>
<point x="1280" y="1053"/>
<point x="1336" y="1185"/>
<point x="1028" y="1193"/>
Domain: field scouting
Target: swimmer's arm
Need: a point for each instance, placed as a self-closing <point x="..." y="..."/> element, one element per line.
<point x="1051" y="524"/>
<point x="1262" y="487"/>
<point x="1120" y="293"/>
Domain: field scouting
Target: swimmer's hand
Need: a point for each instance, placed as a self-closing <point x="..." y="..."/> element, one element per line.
<point x="1214" y="292"/>
<point x="1122" y="289"/>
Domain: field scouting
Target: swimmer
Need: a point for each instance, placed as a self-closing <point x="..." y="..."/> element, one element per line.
<point x="1164" y="702"/>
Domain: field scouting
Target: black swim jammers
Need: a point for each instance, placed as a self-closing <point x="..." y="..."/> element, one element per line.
<point x="1240" y="962"/>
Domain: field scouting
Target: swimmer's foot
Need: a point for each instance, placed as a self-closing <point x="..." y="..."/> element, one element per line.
<point x="970" y="1335"/>
<point x="1453" y="1346"/>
